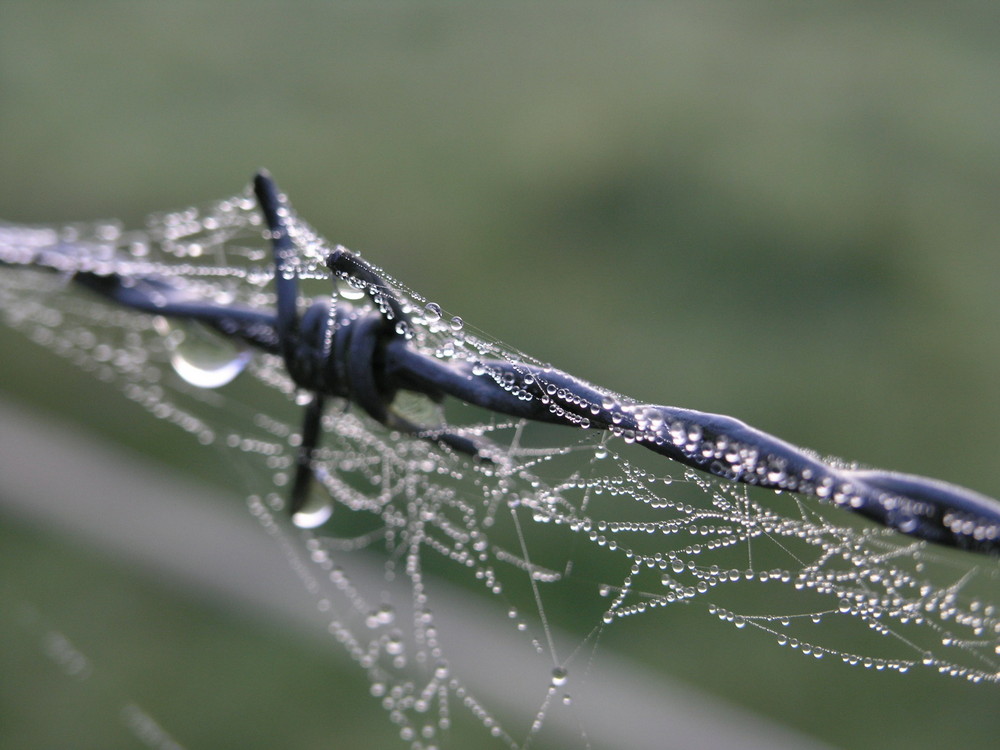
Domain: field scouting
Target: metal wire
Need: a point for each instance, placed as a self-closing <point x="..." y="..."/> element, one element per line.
<point x="366" y="354"/>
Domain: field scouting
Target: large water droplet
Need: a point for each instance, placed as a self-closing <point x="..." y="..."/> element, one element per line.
<point x="314" y="517"/>
<point x="201" y="356"/>
<point x="317" y="510"/>
<point x="432" y="311"/>
<point x="350" y="291"/>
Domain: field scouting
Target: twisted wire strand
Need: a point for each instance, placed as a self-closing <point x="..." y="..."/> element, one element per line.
<point x="720" y="445"/>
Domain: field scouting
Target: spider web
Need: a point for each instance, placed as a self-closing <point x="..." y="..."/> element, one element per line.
<point x="558" y="515"/>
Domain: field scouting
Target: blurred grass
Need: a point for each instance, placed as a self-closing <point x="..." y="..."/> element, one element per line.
<point x="208" y="676"/>
<point x="782" y="212"/>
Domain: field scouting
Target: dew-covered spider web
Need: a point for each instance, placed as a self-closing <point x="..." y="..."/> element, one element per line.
<point x="566" y="530"/>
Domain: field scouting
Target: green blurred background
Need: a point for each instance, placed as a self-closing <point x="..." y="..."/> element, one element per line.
<point x="786" y="212"/>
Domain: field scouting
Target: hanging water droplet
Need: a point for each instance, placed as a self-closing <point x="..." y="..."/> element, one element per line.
<point x="311" y="519"/>
<point x="456" y="323"/>
<point x="317" y="510"/>
<point x="385" y="614"/>
<point x="349" y="291"/>
<point x="199" y="355"/>
<point x="559" y="676"/>
<point x="432" y="311"/>
<point x="394" y="645"/>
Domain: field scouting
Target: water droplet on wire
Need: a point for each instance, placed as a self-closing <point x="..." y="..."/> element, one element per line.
<point x="199" y="355"/>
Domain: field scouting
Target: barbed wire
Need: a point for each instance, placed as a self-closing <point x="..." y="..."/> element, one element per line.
<point x="368" y="354"/>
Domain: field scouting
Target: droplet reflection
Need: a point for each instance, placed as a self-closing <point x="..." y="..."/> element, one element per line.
<point x="200" y="356"/>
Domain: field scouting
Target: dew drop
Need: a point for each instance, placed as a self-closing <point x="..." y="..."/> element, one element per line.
<point x="317" y="510"/>
<point x="350" y="291"/>
<point x="306" y="519"/>
<point x="200" y="356"/>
